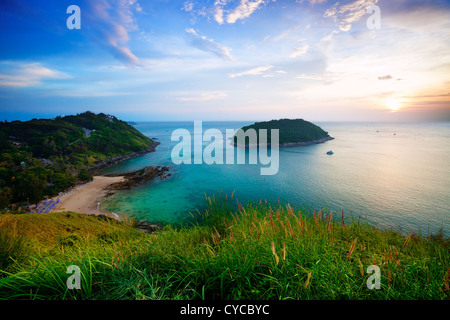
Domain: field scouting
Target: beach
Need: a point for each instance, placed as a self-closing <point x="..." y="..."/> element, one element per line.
<point x="86" y="199"/>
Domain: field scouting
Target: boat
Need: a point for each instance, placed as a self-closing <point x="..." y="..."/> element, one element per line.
<point x="330" y="152"/>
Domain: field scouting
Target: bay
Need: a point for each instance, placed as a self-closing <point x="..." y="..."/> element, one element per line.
<point x="391" y="175"/>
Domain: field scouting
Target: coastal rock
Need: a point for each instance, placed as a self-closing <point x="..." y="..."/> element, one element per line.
<point x="147" y="227"/>
<point x="135" y="178"/>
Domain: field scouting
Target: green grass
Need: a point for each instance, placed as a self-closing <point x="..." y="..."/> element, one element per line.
<point x="257" y="251"/>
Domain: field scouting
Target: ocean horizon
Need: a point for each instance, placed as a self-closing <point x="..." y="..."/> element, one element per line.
<point x="390" y="175"/>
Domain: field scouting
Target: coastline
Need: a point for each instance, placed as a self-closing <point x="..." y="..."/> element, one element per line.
<point x="116" y="160"/>
<point x="283" y="145"/>
<point x="86" y="198"/>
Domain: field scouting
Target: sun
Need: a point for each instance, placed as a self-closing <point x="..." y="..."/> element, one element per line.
<point x="393" y="104"/>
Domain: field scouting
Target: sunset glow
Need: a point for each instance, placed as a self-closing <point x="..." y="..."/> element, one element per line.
<point x="394" y="104"/>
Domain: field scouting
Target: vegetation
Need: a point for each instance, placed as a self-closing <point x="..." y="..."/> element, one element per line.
<point x="228" y="251"/>
<point x="290" y="131"/>
<point x="45" y="156"/>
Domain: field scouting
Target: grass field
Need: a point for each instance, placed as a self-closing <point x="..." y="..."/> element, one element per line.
<point x="254" y="251"/>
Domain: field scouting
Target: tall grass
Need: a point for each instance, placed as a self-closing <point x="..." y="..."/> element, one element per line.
<point x="232" y="251"/>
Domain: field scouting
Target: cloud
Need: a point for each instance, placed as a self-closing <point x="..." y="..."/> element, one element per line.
<point x="17" y="74"/>
<point x="203" y="43"/>
<point x="205" y="96"/>
<point x="218" y="8"/>
<point x="251" y="72"/>
<point x="345" y="15"/>
<point x="242" y="11"/>
<point x="188" y="6"/>
<point x="329" y="36"/>
<point x="298" y="51"/>
<point x="386" y="77"/>
<point x="111" y="21"/>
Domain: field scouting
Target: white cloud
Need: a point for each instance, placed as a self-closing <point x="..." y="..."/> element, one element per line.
<point x="218" y="15"/>
<point x="209" y="45"/>
<point x="346" y="15"/>
<point x="111" y="21"/>
<point x="188" y="6"/>
<point x="17" y="74"/>
<point x="244" y="10"/>
<point x="240" y="12"/>
<point x="329" y="36"/>
<point x="298" y="51"/>
<point x="252" y="72"/>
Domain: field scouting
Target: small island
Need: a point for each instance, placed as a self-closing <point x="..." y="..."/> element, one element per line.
<point x="292" y="132"/>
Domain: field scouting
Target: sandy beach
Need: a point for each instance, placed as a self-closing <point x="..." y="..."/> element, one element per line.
<point x="85" y="199"/>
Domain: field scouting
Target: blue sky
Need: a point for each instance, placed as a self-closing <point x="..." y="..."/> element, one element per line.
<point x="226" y="60"/>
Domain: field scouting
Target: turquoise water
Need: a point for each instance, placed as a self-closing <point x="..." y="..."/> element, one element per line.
<point x="397" y="178"/>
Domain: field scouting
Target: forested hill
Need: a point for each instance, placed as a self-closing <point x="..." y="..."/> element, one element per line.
<point x="291" y="132"/>
<point x="44" y="156"/>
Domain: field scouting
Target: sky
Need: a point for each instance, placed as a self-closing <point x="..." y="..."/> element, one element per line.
<point x="249" y="60"/>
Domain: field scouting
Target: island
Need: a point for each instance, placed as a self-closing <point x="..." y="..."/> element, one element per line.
<point x="292" y="133"/>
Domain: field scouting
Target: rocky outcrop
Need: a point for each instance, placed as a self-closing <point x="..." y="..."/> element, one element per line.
<point x="137" y="177"/>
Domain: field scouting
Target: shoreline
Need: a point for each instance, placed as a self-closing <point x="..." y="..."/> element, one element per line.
<point x="113" y="161"/>
<point x="87" y="198"/>
<point x="283" y="145"/>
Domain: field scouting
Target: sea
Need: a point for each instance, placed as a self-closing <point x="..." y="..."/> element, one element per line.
<point x="393" y="176"/>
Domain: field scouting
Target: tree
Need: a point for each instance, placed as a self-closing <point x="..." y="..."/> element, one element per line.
<point x="84" y="175"/>
<point x="6" y="195"/>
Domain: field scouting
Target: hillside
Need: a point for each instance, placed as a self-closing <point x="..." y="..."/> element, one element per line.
<point x="292" y="132"/>
<point x="41" y="157"/>
<point x="254" y="251"/>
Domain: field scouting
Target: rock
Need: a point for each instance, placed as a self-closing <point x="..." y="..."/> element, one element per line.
<point x="135" y="178"/>
<point x="147" y="227"/>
